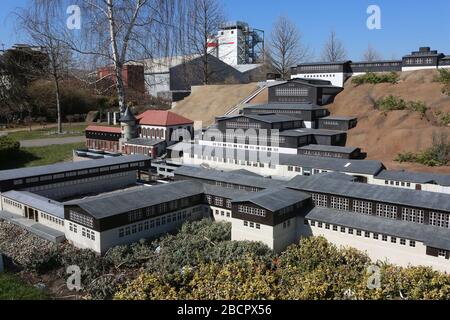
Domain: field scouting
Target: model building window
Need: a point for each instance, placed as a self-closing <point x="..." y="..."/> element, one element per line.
<point x="339" y="203"/>
<point x="412" y="243"/>
<point x="403" y="242"/>
<point x="413" y="215"/>
<point x="386" y="211"/>
<point x="442" y="253"/>
<point x="439" y="219"/>
<point x="320" y="200"/>
<point x="375" y="236"/>
<point x="358" y="232"/>
<point x="218" y="201"/>
<point x="350" y="231"/>
<point x="364" y="207"/>
<point x="81" y="219"/>
<point x="384" y="238"/>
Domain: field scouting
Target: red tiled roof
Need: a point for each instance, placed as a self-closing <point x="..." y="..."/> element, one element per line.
<point x="162" y="118"/>
<point x="104" y="129"/>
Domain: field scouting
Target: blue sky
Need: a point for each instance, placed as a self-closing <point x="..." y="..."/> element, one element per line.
<point x="406" y="25"/>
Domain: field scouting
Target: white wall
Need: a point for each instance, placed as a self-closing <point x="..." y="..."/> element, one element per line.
<point x="337" y="79"/>
<point x="402" y="255"/>
<point x="412" y="186"/>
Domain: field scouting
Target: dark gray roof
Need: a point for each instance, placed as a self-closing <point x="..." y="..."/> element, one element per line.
<point x="338" y="176"/>
<point x="127" y="116"/>
<point x="116" y="203"/>
<point x="398" y="196"/>
<point x="145" y="142"/>
<point x="274" y="199"/>
<point x="324" y="63"/>
<point x="306" y="131"/>
<point x="289" y="106"/>
<point x="318" y="147"/>
<point x="342" y="118"/>
<point x="313" y="82"/>
<point x="415" y="177"/>
<point x="228" y="193"/>
<point x="68" y="166"/>
<point x="435" y="237"/>
<point x="37" y="202"/>
<point x="369" y="167"/>
<point x="227" y="177"/>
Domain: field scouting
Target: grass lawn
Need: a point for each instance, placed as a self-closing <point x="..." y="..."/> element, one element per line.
<point x="39" y="156"/>
<point x="70" y="131"/>
<point x="13" y="288"/>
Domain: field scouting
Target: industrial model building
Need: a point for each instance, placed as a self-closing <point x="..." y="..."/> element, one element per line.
<point x="339" y="72"/>
<point x="278" y="172"/>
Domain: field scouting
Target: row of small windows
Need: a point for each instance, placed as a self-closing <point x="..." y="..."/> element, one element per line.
<point x="236" y="162"/>
<point x="305" y="171"/>
<point x="236" y="186"/>
<point x="291" y="92"/>
<point x="360" y="233"/>
<point x="252" y="211"/>
<point x="162" y="208"/>
<point x="243" y="125"/>
<point x="78" y="173"/>
<point x="377" y="64"/>
<point x="12" y="203"/>
<point x="222" y="213"/>
<point x="251" y="147"/>
<point x="320" y="76"/>
<point x="252" y="225"/>
<point x="397" y="183"/>
<point x="81" y="219"/>
<point x="330" y="67"/>
<point x="419" y="61"/>
<point x="52" y="219"/>
<point x="88" y="234"/>
<point x="322" y="154"/>
<point x="382" y="210"/>
<point x="157" y="222"/>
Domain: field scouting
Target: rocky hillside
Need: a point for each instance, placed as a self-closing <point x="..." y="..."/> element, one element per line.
<point x="383" y="135"/>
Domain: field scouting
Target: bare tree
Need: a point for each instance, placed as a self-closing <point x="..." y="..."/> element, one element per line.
<point x="205" y="18"/>
<point x="334" y="49"/>
<point x="41" y="21"/>
<point x="371" y="54"/>
<point x="120" y="32"/>
<point x="286" y="48"/>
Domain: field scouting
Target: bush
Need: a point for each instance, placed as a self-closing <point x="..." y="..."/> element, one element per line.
<point x="391" y="103"/>
<point x="443" y="118"/>
<point x="376" y="78"/>
<point x="8" y="146"/>
<point x="437" y="155"/>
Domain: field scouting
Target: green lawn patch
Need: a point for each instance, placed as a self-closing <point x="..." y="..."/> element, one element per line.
<point x="69" y="131"/>
<point x="13" y="288"/>
<point x="39" y="156"/>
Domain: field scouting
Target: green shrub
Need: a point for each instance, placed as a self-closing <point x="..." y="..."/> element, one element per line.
<point x="376" y="78"/>
<point x="444" y="79"/>
<point x="437" y="155"/>
<point x="8" y="146"/>
<point x="391" y="103"/>
<point x="443" y="118"/>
